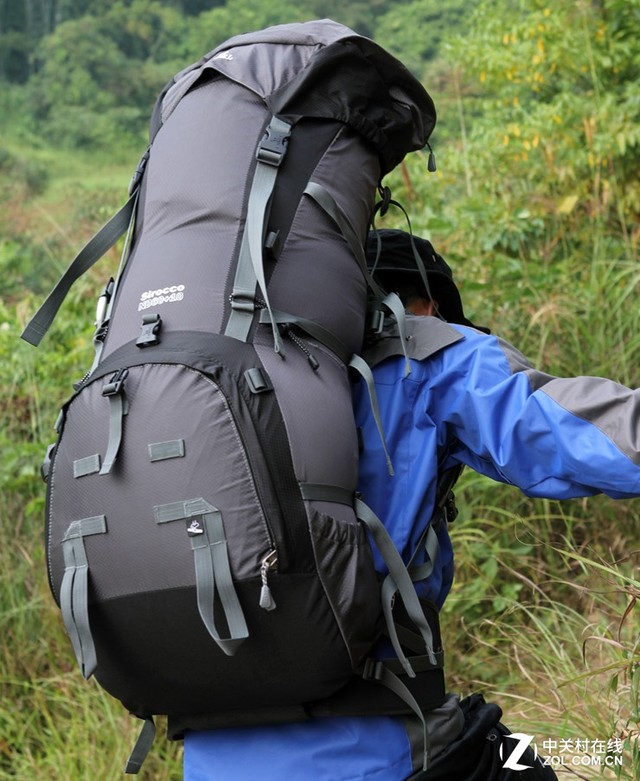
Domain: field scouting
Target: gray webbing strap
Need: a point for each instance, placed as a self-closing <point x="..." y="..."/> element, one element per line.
<point x="393" y="302"/>
<point x="250" y="268"/>
<point x="96" y="247"/>
<point x="212" y="568"/>
<point x="118" y="408"/>
<point x="314" y="330"/>
<point x="243" y="295"/>
<point x="429" y="538"/>
<point x="74" y="591"/>
<point x="397" y="581"/>
<point x="330" y="207"/>
<point x="417" y="257"/>
<point x="419" y="262"/>
<point x="377" y="671"/>
<point x="364" y="370"/>
<point x="102" y="323"/>
<point x="317" y="492"/>
<point x="429" y="542"/>
<point x="142" y="747"/>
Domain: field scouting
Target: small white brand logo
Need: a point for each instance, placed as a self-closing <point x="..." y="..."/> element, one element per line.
<point x="195" y="528"/>
<point x="524" y="741"/>
<point x="224" y="56"/>
<point x="163" y="295"/>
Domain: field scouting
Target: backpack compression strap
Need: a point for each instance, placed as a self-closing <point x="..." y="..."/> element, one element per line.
<point x="250" y="267"/>
<point x="74" y="590"/>
<point x="212" y="568"/>
<point x="94" y="249"/>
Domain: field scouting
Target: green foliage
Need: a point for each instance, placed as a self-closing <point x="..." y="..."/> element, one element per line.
<point x="543" y="617"/>
<point x="99" y="76"/>
<point x="360" y="15"/>
<point x="240" y="16"/>
<point x="31" y="173"/>
<point x="553" y="110"/>
<point x="413" y="31"/>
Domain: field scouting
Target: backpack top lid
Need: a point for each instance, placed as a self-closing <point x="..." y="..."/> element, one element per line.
<point x="325" y="70"/>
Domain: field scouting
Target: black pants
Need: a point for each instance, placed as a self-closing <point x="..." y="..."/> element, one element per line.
<point x="475" y="754"/>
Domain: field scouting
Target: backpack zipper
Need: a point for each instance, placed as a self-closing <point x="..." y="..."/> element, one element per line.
<point x="269" y="563"/>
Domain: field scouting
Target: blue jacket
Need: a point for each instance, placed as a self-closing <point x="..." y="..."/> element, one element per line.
<point x="471" y="399"/>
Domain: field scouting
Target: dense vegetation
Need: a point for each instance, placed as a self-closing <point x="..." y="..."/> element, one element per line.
<point x="535" y="203"/>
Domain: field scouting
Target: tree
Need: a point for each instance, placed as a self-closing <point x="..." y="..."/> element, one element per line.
<point x="98" y="76"/>
<point x="413" y="31"/>
<point x="553" y="108"/>
<point x="240" y="16"/>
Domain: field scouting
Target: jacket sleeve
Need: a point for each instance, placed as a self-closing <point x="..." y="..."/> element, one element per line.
<point x="552" y="437"/>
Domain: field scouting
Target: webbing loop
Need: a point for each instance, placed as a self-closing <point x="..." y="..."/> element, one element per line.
<point x="118" y="408"/>
<point x="364" y="370"/>
<point x="212" y="568"/>
<point x="142" y="747"/>
<point x="74" y="590"/>
<point x="398" y="581"/>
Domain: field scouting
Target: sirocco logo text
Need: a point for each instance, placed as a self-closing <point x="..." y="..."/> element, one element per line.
<point x="512" y="754"/>
<point x="163" y="295"/>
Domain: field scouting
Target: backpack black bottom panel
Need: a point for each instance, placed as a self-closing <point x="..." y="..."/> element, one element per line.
<point x="155" y="655"/>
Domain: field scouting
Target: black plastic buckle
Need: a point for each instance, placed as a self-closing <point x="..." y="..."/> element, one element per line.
<point x="273" y="146"/>
<point x="450" y="509"/>
<point x="385" y="195"/>
<point x="376" y="321"/>
<point x="137" y="175"/>
<point x="46" y="464"/>
<point x="257" y="380"/>
<point x="373" y="670"/>
<point x="114" y="386"/>
<point x="149" y="335"/>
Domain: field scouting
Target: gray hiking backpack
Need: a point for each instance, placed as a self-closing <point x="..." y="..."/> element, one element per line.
<point x="204" y="542"/>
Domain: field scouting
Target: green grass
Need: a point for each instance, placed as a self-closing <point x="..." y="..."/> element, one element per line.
<point x="543" y="617"/>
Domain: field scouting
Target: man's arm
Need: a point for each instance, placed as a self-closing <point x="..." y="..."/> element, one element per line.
<point x="551" y="437"/>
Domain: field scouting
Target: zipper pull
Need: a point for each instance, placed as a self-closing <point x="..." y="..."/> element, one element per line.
<point x="270" y="562"/>
<point x="286" y="330"/>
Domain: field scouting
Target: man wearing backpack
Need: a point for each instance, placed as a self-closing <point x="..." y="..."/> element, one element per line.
<point x="469" y="399"/>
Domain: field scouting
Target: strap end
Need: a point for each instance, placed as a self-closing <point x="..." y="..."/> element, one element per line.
<point x="32" y="334"/>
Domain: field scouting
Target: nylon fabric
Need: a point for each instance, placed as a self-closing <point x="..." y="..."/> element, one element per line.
<point x="188" y="239"/>
<point x="464" y="404"/>
<point x="315" y="416"/>
<point x="156" y="394"/>
<point x="488" y="416"/>
<point x="337" y="75"/>
<point x="211" y="416"/>
<point x="322" y="750"/>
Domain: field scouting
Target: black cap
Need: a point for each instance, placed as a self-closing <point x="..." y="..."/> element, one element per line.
<point x="396" y="264"/>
